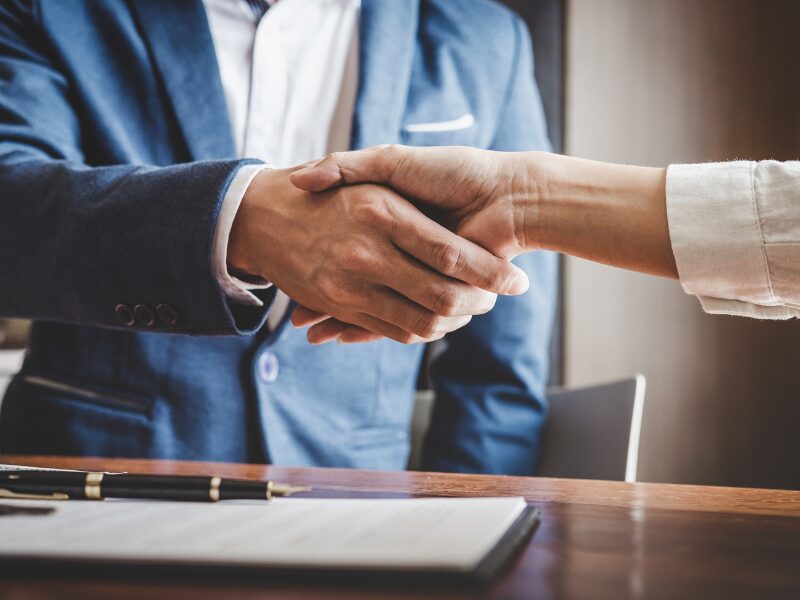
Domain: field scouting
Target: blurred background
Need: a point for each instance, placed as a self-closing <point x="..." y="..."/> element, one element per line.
<point x="652" y="82"/>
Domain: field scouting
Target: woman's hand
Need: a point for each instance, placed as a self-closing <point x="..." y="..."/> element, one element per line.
<point x="483" y="196"/>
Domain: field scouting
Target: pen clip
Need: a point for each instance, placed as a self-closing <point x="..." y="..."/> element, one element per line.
<point x="4" y="493"/>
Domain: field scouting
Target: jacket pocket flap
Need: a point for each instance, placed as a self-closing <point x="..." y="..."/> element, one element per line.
<point x="91" y="395"/>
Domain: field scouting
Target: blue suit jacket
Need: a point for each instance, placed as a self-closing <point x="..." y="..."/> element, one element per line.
<point x="115" y="153"/>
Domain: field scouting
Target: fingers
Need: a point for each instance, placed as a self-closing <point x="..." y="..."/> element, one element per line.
<point x="357" y="335"/>
<point x="305" y="317"/>
<point x="327" y="331"/>
<point x="339" y="168"/>
<point x="332" y="329"/>
<point x="359" y="281"/>
<point x="442" y="295"/>
<point x="373" y="325"/>
<point x="390" y="315"/>
<point x="370" y="327"/>
<point x="454" y="256"/>
<point x="409" y="321"/>
<point x="324" y="328"/>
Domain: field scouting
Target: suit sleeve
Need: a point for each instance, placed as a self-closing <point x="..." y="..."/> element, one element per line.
<point x="76" y="241"/>
<point x="490" y="381"/>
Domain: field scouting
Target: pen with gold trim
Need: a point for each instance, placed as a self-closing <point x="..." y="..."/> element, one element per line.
<point x="78" y="485"/>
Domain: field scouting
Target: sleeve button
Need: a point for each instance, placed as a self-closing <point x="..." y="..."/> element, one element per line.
<point x="144" y="315"/>
<point x="125" y="314"/>
<point x="167" y="314"/>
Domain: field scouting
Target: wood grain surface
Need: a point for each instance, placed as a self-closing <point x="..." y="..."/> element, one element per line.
<point x="597" y="539"/>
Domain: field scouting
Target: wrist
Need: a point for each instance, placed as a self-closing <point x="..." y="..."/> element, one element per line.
<point x="563" y="191"/>
<point x="573" y="195"/>
<point x="531" y="176"/>
<point x="252" y="230"/>
<point x="610" y="213"/>
<point x="239" y="260"/>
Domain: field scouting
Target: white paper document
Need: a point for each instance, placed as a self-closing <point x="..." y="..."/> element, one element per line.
<point x="408" y="534"/>
<point x="23" y="468"/>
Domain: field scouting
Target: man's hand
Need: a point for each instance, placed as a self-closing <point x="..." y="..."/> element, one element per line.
<point x="474" y="193"/>
<point x="365" y="255"/>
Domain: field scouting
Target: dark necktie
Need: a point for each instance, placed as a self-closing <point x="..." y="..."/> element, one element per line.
<point x="259" y="7"/>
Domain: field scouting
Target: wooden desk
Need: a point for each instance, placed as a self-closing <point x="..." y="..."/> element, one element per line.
<point x="596" y="540"/>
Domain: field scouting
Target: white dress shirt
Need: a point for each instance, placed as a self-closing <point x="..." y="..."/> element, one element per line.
<point x="735" y="230"/>
<point x="290" y="82"/>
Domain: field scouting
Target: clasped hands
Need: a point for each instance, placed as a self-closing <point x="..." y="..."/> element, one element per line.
<point x="396" y="242"/>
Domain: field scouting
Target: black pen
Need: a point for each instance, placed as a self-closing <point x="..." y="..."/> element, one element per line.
<point x="79" y="485"/>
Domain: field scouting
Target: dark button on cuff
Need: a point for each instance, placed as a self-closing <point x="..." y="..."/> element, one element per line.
<point x="167" y="314"/>
<point x="144" y="315"/>
<point x="125" y="314"/>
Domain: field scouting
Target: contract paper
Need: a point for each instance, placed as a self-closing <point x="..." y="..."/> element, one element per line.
<point x="23" y="468"/>
<point x="407" y="534"/>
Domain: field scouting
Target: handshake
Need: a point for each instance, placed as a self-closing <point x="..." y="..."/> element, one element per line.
<point x="396" y="242"/>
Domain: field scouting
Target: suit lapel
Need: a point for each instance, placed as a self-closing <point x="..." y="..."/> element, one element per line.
<point x="386" y="56"/>
<point x="181" y="46"/>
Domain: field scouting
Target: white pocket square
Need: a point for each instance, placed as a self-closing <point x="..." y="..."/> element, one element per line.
<point x="465" y="122"/>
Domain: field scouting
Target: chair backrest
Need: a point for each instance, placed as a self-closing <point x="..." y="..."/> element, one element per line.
<point x="591" y="432"/>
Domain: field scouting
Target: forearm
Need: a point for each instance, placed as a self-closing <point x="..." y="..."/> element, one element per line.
<point x="608" y="213"/>
<point x="82" y="242"/>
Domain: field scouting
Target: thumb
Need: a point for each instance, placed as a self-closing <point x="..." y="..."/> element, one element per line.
<point x="319" y="176"/>
<point x="339" y="168"/>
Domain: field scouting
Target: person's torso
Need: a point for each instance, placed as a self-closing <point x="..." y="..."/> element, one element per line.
<point x="146" y="89"/>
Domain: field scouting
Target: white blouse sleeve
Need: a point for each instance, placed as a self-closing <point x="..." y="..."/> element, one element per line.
<point x="735" y="231"/>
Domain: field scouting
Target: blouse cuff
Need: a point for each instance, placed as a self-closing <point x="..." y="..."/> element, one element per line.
<point x="717" y="240"/>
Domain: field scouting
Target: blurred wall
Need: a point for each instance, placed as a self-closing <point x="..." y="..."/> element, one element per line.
<point x="657" y="81"/>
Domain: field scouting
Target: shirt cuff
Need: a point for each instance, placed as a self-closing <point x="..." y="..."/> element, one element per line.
<point x="236" y="290"/>
<point x="718" y="306"/>
<point x="717" y="240"/>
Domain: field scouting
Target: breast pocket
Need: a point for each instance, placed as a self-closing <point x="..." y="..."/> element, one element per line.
<point x="460" y="129"/>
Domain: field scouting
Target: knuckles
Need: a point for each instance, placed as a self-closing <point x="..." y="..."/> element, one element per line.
<point x="498" y="281"/>
<point x="431" y="327"/>
<point x="337" y="291"/>
<point x="369" y="212"/>
<point x="426" y="325"/>
<point x="447" y="301"/>
<point x="454" y="300"/>
<point x="367" y="204"/>
<point x="447" y="258"/>
<point x="356" y="255"/>
<point x="408" y="338"/>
